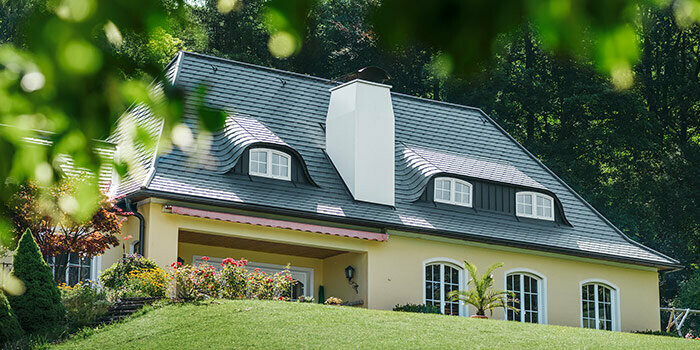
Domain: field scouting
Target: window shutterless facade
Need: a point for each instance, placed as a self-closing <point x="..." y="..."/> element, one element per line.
<point x="269" y="163"/>
<point x="599" y="306"/>
<point x="453" y="191"/>
<point x="529" y="292"/>
<point x="441" y="278"/>
<point x="534" y="205"/>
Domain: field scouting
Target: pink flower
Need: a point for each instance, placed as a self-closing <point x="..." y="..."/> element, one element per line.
<point x="205" y="258"/>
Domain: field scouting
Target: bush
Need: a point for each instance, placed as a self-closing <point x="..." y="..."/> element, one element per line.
<point x="10" y="329"/>
<point x="85" y="303"/>
<point x="333" y="301"/>
<point x="39" y="309"/>
<point x="117" y="275"/>
<point x="263" y="286"/>
<point x="149" y="282"/>
<point x="418" y="308"/>
<point x="194" y="282"/>
<point x="232" y="278"/>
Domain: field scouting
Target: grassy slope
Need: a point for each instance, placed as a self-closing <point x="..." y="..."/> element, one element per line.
<point x="270" y="324"/>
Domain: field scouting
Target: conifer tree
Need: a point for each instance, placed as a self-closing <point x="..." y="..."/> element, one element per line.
<point x="39" y="309"/>
<point x="9" y="326"/>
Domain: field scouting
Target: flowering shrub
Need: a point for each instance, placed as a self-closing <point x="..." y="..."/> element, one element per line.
<point x="304" y="299"/>
<point x="116" y="276"/>
<point x="84" y="303"/>
<point x="150" y="281"/>
<point x="195" y="282"/>
<point x="264" y="286"/>
<point x="333" y="301"/>
<point x="232" y="278"/>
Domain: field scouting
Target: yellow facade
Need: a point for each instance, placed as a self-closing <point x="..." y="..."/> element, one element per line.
<point x="390" y="273"/>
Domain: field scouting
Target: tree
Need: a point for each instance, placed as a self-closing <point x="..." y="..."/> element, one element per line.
<point x="39" y="309"/>
<point x="10" y="329"/>
<point x="482" y="296"/>
<point x="57" y="232"/>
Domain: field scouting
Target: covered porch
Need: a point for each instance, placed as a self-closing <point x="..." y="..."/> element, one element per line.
<point x="317" y="255"/>
<point x="313" y="268"/>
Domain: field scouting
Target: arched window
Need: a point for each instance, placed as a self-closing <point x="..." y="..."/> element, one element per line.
<point x="441" y="276"/>
<point x="599" y="306"/>
<point x="269" y="163"/>
<point x="534" y="205"/>
<point x="453" y="191"/>
<point x="529" y="290"/>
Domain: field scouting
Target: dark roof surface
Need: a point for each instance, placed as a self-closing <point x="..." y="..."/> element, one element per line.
<point x="278" y="107"/>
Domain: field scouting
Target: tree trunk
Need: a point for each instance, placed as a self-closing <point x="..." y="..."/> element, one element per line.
<point x="60" y="266"/>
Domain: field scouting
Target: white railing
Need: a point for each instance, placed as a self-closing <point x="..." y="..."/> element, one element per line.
<point x="677" y="320"/>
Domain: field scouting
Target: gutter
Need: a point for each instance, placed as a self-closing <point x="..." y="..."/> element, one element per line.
<point x="128" y="206"/>
<point x="385" y="226"/>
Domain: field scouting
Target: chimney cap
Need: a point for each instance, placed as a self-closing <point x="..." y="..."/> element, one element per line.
<point x="370" y="73"/>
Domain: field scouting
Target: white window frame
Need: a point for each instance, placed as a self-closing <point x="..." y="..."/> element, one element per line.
<point x="442" y="261"/>
<point x="541" y="293"/>
<point x="303" y="274"/>
<point x="534" y="196"/>
<point x="452" y="201"/>
<point x="95" y="270"/>
<point x="269" y="152"/>
<point x="614" y="302"/>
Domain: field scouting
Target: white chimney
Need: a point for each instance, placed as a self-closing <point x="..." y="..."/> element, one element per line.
<point x="360" y="139"/>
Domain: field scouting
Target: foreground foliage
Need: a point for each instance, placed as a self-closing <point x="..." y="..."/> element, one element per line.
<point x="39" y="309"/>
<point x="246" y="324"/>
<point x="9" y="326"/>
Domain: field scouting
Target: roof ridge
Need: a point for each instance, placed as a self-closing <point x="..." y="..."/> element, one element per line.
<point x="327" y="80"/>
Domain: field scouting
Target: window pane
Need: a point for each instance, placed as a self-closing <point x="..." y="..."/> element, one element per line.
<point x="280" y="165"/>
<point x="462" y="193"/>
<point x="544" y="207"/>
<point x="258" y="162"/>
<point x="442" y="190"/>
<point x="72" y="275"/>
<point x="84" y="273"/>
<point x="513" y="286"/>
<point x="524" y="204"/>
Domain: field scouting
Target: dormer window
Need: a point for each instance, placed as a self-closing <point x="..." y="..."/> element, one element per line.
<point x="269" y="163"/>
<point x="534" y="205"/>
<point x="453" y="191"/>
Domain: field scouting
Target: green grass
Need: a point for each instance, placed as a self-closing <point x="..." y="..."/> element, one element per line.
<point x="249" y="324"/>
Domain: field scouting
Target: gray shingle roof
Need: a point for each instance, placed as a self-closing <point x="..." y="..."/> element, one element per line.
<point x="290" y="108"/>
<point x="237" y="135"/>
<point x="420" y="164"/>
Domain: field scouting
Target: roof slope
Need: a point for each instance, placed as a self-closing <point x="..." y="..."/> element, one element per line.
<point x="293" y="107"/>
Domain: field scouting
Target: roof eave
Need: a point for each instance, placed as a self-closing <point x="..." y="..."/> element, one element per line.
<point x="147" y="193"/>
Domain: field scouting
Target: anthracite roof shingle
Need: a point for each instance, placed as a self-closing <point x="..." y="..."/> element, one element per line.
<point x="274" y="106"/>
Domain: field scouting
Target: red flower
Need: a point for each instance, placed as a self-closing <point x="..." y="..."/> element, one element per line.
<point x="205" y="258"/>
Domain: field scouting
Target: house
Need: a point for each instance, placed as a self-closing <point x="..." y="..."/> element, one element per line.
<point x="348" y="177"/>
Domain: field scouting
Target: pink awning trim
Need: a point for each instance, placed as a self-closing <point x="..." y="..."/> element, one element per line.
<point x="297" y="226"/>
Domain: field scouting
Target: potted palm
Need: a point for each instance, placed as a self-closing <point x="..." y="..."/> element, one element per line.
<point x="482" y="296"/>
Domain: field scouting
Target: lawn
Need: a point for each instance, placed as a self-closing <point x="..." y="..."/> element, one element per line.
<point x="249" y="324"/>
